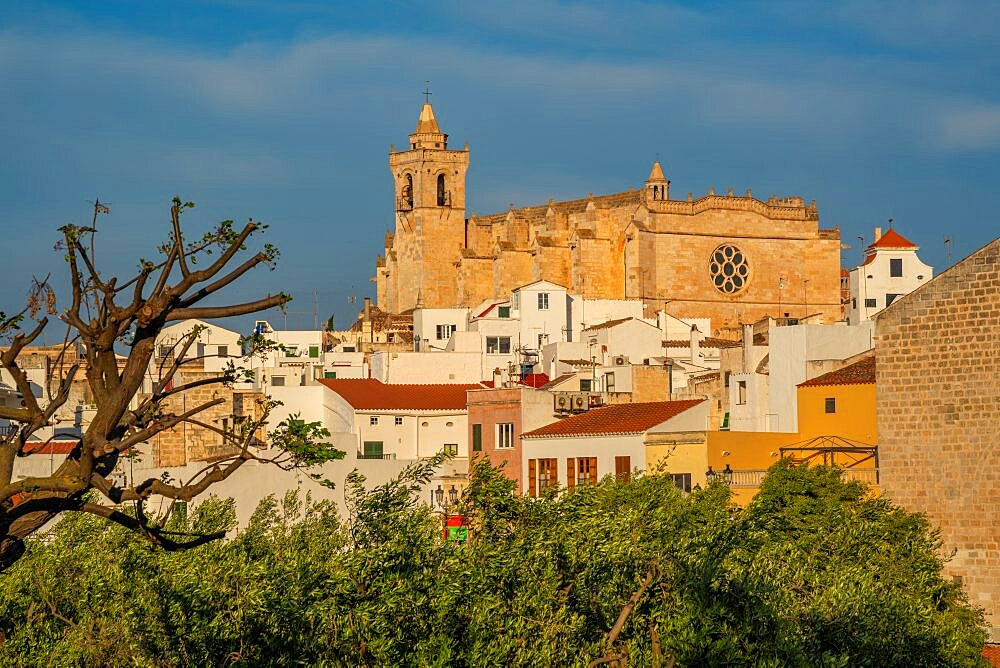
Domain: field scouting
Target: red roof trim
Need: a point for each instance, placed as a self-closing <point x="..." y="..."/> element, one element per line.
<point x="616" y="419"/>
<point x="371" y="394"/>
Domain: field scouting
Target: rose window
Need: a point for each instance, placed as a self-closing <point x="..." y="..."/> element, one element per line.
<point x="729" y="269"/>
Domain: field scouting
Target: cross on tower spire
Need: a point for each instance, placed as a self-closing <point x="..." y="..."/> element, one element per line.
<point x="427" y="92"/>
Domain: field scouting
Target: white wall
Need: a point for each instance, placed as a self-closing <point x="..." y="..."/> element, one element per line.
<point x="424" y="368"/>
<point x="791" y="347"/>
<point x="552" y="322"/>
<point x="421" y="434"/>
<point x="752" y="415"/>
<point x="605" y="448"/>
<point x="590" y="312"/>
<point x="426" y="320"/>
<point x="873" y="281"/>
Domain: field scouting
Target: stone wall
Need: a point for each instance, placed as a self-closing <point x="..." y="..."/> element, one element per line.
<point x="938" y="397"/>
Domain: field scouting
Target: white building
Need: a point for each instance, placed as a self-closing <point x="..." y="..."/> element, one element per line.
<point x="891" y="269"/>
<point x="433" y="327"/>
<point x="606" y="441"/>
<point x="763" y="397"/>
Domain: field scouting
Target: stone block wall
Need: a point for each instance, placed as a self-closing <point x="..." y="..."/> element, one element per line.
<point x="938" y="398"/>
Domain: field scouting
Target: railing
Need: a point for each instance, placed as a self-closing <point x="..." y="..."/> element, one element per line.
<point x="388" y="455"/>
<point x="752" y="478"/>
<point x="7" y="430"/>
<point x="404" y="204"/>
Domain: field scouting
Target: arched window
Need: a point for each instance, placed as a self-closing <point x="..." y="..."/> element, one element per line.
<point x="441" y="193"/>
<point x="656" y="192"/>
<point x="408" y="190"/>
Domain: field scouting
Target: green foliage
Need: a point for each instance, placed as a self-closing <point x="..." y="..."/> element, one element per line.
<point x="815" y="572"/>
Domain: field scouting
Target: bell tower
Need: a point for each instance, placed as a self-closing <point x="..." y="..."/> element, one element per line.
<point x="429" y="203"/>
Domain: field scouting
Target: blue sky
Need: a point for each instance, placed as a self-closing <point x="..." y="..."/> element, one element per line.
<point x="284" y="111"/>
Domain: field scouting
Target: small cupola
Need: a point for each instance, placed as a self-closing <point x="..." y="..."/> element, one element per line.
<point x="428" y="134"/>
<point x="657" y="185"/>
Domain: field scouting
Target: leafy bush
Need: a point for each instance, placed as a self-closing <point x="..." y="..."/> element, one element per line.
<point x="816" y="571"/>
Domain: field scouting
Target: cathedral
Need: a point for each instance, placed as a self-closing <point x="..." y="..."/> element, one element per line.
<point x="732" y="258"/>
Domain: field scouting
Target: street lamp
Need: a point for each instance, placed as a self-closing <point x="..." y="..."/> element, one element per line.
<point x="438" y="495"/>
<point x="710" y="475"/>
<point x="727" y="475"/>
<point x="452" y="496"/>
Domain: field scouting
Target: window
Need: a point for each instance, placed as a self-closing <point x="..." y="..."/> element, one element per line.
<point x="725" y="378"/>
<point x="329" y="374"/>
<point x="166" y="351"/>
<point x="896" y="267"/>
<point x="542" y="338"/>
<point x="398" y="420"/>
<point x="223" y="351"/>
<point x="547" y="474"/>
<point x="277" y="381"/>
<point x="586" y="470"/>
<point x="313" y="351"/>
<point x="408" y="190"/>
<point x="503" y="312"/>
<point x="372" y="450"/>
<point x="373" y="420"/>
<point x="623" y="468"/>
<point x="348" y="349"/>
<point x="854" y="303"/>
<point x="440" y="188"/>
<point x="505" y="435"/>
<point x="890" y="298"/>
<point x="477" y="438"/>
<point x="729" y="269"/>
<point x="585" y="384"/>
<point x="498" y="344"/>
<point x="830" y="404"/>
<point x="741" y="389"/>
<point x="870" y="303"/>
<point x="444" y="332"/>
<point x="682" y="480"/>
<point x="543" y="301"/>
<point x="609" y="382"/>
<point x="451" y="449"/>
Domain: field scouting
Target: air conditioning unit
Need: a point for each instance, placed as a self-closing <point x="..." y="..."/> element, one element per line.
<point x="621" y="360"/>
<point x="594" y="401"/>
<point x="561" y="402"/>
<point x="579" y="402"/>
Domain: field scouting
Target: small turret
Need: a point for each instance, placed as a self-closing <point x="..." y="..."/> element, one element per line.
<point x="657" y="185"/>
<point x="428" y="134"/>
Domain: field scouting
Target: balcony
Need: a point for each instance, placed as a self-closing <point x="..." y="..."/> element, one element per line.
<point x="404" y="204"/>
<point x="387" y="455"/>
<point x="752" y="478"/>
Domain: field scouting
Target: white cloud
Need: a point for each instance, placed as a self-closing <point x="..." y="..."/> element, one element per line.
<point x="971" y="129"/>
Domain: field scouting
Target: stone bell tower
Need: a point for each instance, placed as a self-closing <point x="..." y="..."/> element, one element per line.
<point x="429" y="201"/>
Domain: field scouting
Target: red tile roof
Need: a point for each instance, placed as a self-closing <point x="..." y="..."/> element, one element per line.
<point x="535" y="380"/>
<point x="861" y="372"/>
<point x="579" y="362"/>
<point x="368" y="393"/>
<point x="992" y="654"/>
<point x="616" y="419"/>
<point x="893" y="239"/>
<point x="50" y="447"/>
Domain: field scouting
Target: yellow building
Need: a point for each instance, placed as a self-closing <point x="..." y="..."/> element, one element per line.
<point x="729" y="257"/>
<point x="836" y="417"/>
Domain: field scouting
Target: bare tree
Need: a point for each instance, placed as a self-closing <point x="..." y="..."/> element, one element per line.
<point x="105" y="314"/>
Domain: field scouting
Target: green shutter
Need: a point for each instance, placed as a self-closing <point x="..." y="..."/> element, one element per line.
<point x="373" y="450"/>
<point x="477" y="438"/>
<point x="503" y="312"/>
<point x="313" y="351"/>
<point x="329" y="374"/>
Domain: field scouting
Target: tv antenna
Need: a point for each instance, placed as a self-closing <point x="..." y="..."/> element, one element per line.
<point x="947" y="248"/>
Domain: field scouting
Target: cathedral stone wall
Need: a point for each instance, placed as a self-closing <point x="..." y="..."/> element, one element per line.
<point x="637" y="244"/>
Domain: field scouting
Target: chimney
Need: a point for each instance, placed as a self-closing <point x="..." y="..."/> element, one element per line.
<point x="878" y="234"/>
<point x="747" y="347"/>
<point x="695" y="338"/>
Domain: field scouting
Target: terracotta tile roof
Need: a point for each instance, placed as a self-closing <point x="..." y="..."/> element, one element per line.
<point x="992" y="654"/>
<point x="707" y="342"/>
<point x="368" y="393"/>
<point x="893" y="239"/>
<point x="860" y="373"/>
<point x="616" y="419"/>
<point x="535" y="380"/>
<point x="608" y="324"/>
<point x="51" y="447"/>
